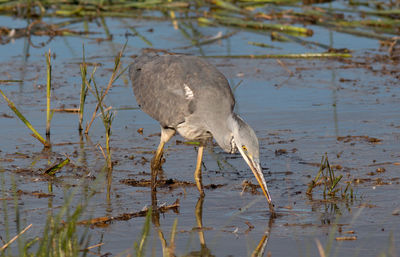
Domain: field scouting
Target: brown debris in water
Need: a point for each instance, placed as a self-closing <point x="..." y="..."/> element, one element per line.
<point x="380" y="170"/>
<point x="37" y="28"/>
<point x="249" y="187"/>
<point x="104" y="221"/>
<point x="347" y="139"/>
<point x="169" y="183"/>
<point x="375" y="181"/>
<point x="5" y="115"/>
<point x="196" y="229"/>
<point x="300" y="225"/>
<point x="160" y="183"/>
<point x="38" y="194"/>
<point x="280" y="152"/>
<point x="366" y="205"/>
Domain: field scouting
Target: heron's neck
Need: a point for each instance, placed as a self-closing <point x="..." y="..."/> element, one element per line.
<point x="233" y="122"/>
<point x="228" y="138"/>
<point x="223" y="130"/>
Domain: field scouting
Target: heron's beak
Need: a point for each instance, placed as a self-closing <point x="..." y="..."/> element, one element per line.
<point x="257" y="171"/>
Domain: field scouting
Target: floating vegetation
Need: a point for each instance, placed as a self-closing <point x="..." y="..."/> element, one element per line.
<point x="53" y="169"/>
<point x="101" y="221"/>
<point x="236" y="22"/>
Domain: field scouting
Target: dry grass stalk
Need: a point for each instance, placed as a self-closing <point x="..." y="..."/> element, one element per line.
<point x="320" y="248"/>
<point x="15" y="238"/>
<point x="114" y="76"/>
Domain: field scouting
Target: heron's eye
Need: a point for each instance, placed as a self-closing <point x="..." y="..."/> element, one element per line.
<point x="244" y="147"/>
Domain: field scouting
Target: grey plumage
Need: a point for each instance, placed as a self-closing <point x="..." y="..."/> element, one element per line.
<point x="161" y="85"/>
<point x="189" y="95"/>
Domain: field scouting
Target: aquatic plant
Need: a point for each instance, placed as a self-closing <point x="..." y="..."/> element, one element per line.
<point x="49" y="113"/>
<point x="84" y="89"/>
<point x="35" y="134"/>
<point x="327" y="178"/>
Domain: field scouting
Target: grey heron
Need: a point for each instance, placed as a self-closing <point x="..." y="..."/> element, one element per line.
<point x="188" y="95"/>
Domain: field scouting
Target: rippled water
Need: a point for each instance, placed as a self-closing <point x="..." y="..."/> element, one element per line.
<point x="299" y="108"/>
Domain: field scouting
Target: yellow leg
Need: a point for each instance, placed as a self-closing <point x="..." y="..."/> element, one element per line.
<point x="166" y="135"/>
<point x="197" y="172"/>
<point x="156" y="165"/>
<point x="156" y="161"/>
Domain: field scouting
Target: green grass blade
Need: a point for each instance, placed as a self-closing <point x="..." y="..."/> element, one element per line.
<point x="83" y="68"/>
<point x="24" y="120"/>
<point x="48" y="115"/>
<point x="52" y="170"/>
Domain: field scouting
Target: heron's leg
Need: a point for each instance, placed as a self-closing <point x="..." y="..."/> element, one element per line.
<point x="166" y="134"/>
<point x="197" y="172"/>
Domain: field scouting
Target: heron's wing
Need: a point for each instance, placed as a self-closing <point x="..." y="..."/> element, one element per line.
<point x="169" y="88"/>
<point x="158" y="90"/>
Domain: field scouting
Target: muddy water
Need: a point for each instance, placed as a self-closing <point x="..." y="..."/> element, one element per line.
<point x="300" y="110"/>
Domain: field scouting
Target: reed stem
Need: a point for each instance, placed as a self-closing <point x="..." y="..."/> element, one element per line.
<point x="83" y="68"/>
<point x="48" y="111"/>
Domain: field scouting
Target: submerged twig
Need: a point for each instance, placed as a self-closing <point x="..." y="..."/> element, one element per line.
<point x="127" y="216"/>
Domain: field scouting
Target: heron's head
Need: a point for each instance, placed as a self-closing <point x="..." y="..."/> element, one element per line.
<point x="245" y="140"/>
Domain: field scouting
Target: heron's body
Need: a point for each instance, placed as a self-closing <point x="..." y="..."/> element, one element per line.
<point x="188" y="82"/>
<point x="189" y="95"/>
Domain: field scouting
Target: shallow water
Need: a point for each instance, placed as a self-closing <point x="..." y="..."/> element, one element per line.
<point x="305" y="113"/>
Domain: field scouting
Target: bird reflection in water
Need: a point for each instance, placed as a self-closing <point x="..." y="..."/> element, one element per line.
<point x="168" y="249"/>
